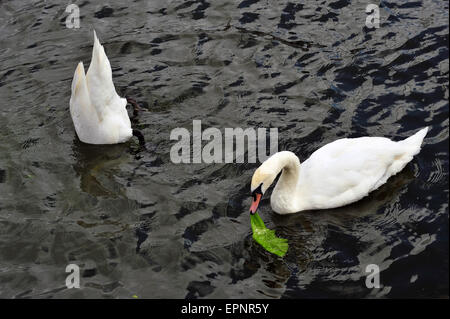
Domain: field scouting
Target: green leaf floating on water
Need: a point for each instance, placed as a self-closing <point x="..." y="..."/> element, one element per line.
<point x="266" y="237"/>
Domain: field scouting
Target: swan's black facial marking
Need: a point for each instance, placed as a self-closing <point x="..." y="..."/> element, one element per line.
<point x="257" y="190"/>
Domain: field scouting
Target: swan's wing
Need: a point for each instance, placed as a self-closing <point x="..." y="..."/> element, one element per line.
<point x="84" y="115"/>
<point x="99" y="80"/>
<point x="347" y="170"/>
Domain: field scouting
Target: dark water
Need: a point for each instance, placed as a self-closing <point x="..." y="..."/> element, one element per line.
<point x="137" y="224"/>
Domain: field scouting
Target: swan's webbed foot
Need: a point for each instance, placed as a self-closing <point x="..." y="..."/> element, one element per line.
<point x="140" y="137"/>
<point x="137" y="133"/>
<point x="136" y="107"/>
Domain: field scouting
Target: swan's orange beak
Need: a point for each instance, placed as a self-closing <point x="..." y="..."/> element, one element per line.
<point x="255" y="203"/>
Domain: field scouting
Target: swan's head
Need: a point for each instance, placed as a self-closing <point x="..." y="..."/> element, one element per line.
<point x="261" y="181"/>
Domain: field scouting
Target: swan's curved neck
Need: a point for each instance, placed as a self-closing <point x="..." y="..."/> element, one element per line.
<point x="285" y="194"/>
<point x="289" y="165"/>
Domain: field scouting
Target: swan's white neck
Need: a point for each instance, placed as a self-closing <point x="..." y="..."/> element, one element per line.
<point x="289" y="164"/>
<point x="285" y="194"/>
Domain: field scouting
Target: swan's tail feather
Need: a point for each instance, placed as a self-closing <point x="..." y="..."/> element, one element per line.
<point x="99" y="79"/>
<point x="415" y="141"/>
<point x="78" y="78"/>
<point x="99" y="61"/>
<point x="80" y="101"/>
<point x="97" y="51"/>
<point x="80" y="92"/>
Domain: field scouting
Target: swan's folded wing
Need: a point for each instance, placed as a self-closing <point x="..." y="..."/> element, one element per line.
<point x="99" y="79"/>
<point x="347" y="170"/>
<point x="80" y="102"/>
<point x="84" y="115"/>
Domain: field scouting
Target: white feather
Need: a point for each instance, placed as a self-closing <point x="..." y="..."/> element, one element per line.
<point x="98" y="113"/>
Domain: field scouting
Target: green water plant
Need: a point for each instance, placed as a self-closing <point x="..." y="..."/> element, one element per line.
<point x="266" y="237"/>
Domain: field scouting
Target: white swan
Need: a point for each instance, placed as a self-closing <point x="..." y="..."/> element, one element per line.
<point x="337" y="174"/>
<point x="98" y="113"/>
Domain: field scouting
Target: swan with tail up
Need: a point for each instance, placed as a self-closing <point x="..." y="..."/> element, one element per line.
<point x="337" y="174"/>
<point x="98" y="113"/>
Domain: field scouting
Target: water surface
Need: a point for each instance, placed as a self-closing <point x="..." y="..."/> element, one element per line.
<point x="137" y="224"/>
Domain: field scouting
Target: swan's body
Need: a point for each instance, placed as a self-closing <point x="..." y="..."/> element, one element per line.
<point x="337" y="174"/>
<point x="98" y="113"/>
